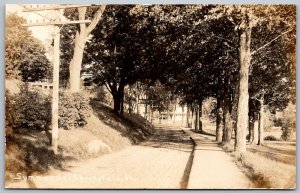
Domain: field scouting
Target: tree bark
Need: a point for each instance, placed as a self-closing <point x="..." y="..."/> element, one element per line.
<point x="182" y="117"/>
<point x="200" y="125"/>
<point x="228" y="127"/>
<point x="251" y="127"/>
<point x="188" y="112"/>
<point x="137" y="106"/>
<point x="255" y="132"/>
<point x="168" y="111"/>
<point x="117" y="102"/>
<point x="243" y="106"/>
<point x="75" y="65"/>
<point x="196" y="118"/>
<point x="174" y="112"/>
<point x="118" y="98"/>
<point x="227" y="119"/>
<point x="219" y="121"/>
<point x="261" y="122"/>
<point x="193" y="117"/>
<point x="80" y="40"/>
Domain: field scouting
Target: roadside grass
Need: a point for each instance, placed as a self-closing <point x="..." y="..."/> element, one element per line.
<point x="75" y="142"/>
<point x="29" y="151"/>
<point x="263" y="171"/>
<point x="282" y="153"/>
<point x="132" y="126"/>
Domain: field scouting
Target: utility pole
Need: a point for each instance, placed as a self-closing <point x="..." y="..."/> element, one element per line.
<point x="55" y="95"/>
<point x="56" y="61"/>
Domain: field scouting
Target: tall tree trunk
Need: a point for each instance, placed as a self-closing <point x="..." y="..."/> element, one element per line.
<point x="224" y="131"/>
<point x="219" y="121"/>
<point x="80" y="40"/>
<point x="117" y="102"/>
<point x="243" y="105"/>
<point x="168" y="111"/>
<point x="196" y="117"/>
<point x="261" y="122"/>
<point x="235" y="99"/>
<point x="118" y="98"/>
<point x="75" y="65"/>
<point x="137" y="106"/>
<point x="188" y="112"/>
<point x="251" y="127"/>
<point x="255" y="132"/>
<point x="193" y="117"/>
<point x="146" y="111"/>
<point x="182" y="117"/>
<point x="200" y="125"/>
<point x="174" y="113"/>
<point x="228" y="127"/>
<point x="227" y="119"/>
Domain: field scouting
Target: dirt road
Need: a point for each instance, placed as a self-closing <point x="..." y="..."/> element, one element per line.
<point x="168" y="160"/>
<point x="159" y="162"/>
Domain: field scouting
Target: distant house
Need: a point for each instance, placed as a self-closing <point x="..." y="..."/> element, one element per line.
<point x="40" y="84"/>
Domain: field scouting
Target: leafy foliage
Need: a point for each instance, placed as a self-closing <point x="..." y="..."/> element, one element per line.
<point x="9" y="114"/>
<point x="32" y="110"/>
<point x="25" y="55"/>
<point x="289" y="122"/>
<point x="74" y="109"/>
<point x="270" y="138"/>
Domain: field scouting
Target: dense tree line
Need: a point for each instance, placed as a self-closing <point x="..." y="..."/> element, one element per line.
<point x="241" y="55"/>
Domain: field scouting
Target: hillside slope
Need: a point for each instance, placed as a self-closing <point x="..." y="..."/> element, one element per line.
<point x="105" y="132"/>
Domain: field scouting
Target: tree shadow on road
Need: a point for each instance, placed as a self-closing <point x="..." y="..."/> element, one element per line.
<point x="171" y="139"/>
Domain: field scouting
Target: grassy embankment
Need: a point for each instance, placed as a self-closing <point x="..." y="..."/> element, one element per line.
<point x="29" y="152"/>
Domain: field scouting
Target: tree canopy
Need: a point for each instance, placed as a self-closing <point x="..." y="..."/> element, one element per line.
<point x="25" y="55"/>
<point x="239" y="54"/>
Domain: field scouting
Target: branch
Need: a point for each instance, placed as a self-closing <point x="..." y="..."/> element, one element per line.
<point x="262" y="47"/>
<point x="258" y="94"/>
<point x="96" y="18"/>
<point x="81" y="16"/>
<point x="107" y="85"/>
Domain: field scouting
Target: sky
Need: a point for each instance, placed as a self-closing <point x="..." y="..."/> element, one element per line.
<point x="43" y="33"/>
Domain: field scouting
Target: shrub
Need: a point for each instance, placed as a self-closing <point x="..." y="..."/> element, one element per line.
<point x="289" y="122"/>
<point x="270" y="138"/>
<point x="278" y="122"/>
<point x="74" y="110"/>
<point x="268" y="120"/>
<point x="31" y="110"/>
<point x="287" y="133"/>
<point x="8" y="114"/>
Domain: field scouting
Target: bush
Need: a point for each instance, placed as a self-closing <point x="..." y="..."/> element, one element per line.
<point x="270" y="138"/>
<point x="287" y="133"/>
<point x="74" y="110"/>
<point x="31" y="110"/>
<point x="8" y="114"/>
<point x="278" y="122"/>
<point x="289" y="122"/>
<point x="268" y="120"/>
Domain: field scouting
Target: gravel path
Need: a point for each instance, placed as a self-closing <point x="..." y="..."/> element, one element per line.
<point x="168" y="160"/>
<point x="157" y="163"/>
<point x="214" y="169"/>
